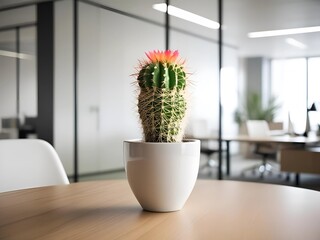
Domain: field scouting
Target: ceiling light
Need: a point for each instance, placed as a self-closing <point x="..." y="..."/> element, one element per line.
<point x="273" y="33"/>
<point x="15" y="55"/>
<point x="296" y="43"/>
<point x="185" y="15"/>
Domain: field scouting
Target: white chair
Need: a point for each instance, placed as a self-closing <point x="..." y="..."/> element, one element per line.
<point x="28" y="163"/>
<point x="260" y="128"/>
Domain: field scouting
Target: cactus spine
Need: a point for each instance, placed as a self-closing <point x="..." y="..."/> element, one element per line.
<point x="162" y="102"/>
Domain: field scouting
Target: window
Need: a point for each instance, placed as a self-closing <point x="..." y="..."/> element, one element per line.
<point x="314" y="91"/>
<point x="289" y="85"/>
<point x="296" y="83"/>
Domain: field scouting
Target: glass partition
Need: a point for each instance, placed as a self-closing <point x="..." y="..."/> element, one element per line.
<point x="28" y="77"/>
<point x="194" y="32"/>
<point x="18" y="90"/>
<point x="8" y="84"/>
<point x="64" y="120"/>
<point x="17" y="16"/>
<point x="112" y="37"/>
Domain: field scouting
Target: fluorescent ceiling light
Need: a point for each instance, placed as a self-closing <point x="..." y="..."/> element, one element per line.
<point x="185" y="15"/>
<point x="296" y="43"/>
<point x="273" y="33"/>
<point x="15" y="55"/>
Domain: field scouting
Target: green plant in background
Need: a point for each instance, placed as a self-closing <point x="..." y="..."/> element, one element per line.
<point x="162" y="100"/>
<point x="253" y="109"/>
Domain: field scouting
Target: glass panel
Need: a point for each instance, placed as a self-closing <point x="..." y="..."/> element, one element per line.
<point x="28" y="79"/>
<point x="17" y="70"/>
<point x="139" y="8"/>
<point x="18" y="16"/>
<point x="198" y="44"/>
<point x="229" y="91"/>
<point x="110" y="44"/>
<point x="64" y="84"/>
<point x="8" y="85"/>
<point x="197" y="18"/>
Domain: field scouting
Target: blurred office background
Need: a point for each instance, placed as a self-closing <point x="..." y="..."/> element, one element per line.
<point x="55" y="52"/>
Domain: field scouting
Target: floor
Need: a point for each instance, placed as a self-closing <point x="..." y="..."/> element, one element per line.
<point x="309" y="181"/>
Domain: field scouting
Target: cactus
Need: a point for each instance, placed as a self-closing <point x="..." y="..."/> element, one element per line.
<point x="162" y="102"/>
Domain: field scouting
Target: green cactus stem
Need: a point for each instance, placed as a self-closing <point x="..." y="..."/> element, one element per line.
<point x="162" y="103"/>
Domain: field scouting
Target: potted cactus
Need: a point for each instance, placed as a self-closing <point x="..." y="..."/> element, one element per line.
<point x="162" y="168"/>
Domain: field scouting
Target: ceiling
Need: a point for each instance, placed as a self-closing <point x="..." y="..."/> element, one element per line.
<point x="239" y="18"/>
<point x="244" y="16"/>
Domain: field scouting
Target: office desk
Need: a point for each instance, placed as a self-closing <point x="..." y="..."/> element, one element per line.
<point x="282" y="141"/>
<point x="108" y="210"/>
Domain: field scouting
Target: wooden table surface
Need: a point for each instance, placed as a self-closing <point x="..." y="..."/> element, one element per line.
<point x="108" y="210"/>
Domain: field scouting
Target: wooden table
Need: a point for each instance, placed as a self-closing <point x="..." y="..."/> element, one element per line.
<point x="108" y="210"/>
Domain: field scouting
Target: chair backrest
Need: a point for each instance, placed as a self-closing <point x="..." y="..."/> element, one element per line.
<point x="10" y="127"/>
<point x="28" y="163"/>
<point x="258" y="128"/>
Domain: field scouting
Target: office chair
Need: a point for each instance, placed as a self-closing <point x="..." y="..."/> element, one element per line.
<point x="28" y="163"/>
<point x="10" y="127"/>
<point x="200" y="129"/>
<point x="260" y="128"/>
<point x="208" y="151"/>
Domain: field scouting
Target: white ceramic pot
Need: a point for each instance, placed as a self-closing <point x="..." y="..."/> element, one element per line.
<point x="162" y="175"/>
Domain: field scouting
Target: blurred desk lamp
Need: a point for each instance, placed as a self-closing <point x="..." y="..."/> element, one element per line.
<point x="313" y="108"/>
